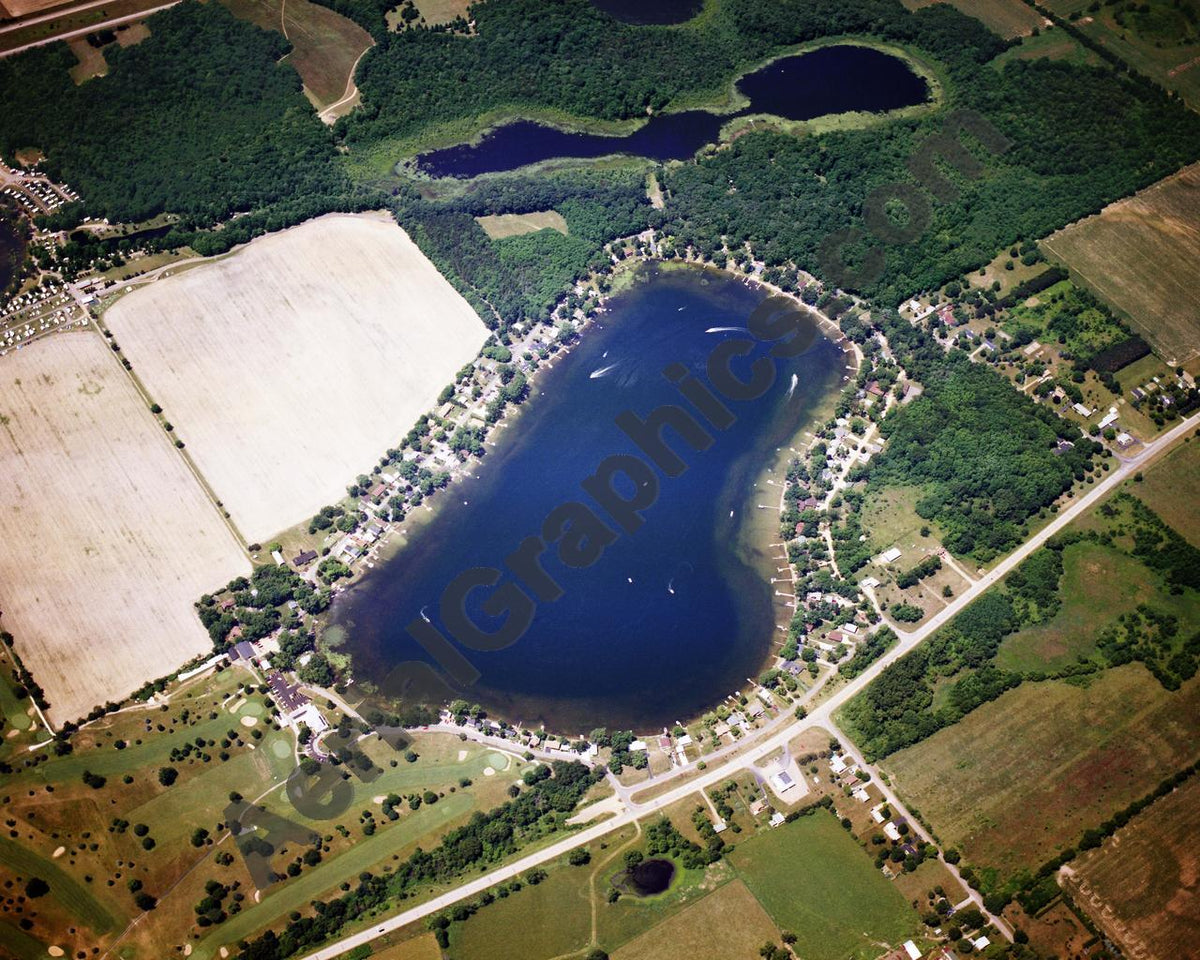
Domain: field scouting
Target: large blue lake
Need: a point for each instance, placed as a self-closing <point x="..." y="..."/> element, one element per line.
<point x="671" y="618"/>
<point x="833" y="79"/>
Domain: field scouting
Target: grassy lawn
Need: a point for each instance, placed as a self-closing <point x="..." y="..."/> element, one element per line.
<point x="17" y="943"/>
<point x="66" y="890"/>
<point x="1023" y="776"/>
<point x="366" y="853"/>
<point x="1171" y="488"/>
<point x="1099" y="584"/>
<point x="814" y="879"/>
<point x="727" y="923"/>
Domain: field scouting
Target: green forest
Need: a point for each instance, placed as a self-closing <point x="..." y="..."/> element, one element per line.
<point x="199" y="120"/>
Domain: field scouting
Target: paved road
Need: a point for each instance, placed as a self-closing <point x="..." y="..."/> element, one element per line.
<point x="820" y="716"/>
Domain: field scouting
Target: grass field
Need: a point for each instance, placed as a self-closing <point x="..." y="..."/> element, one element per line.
<point x="814" y="879"/>
<point x="1022" y="777"/>
<point x="727" y="923"/>
<point x="1139" y="254"/>
<point x="1008" y="18"/>
<point x="538" y="922"/>
<point x="1171" y="488"/>
<point x="291" y="366"/>
<point x="1051" y="44"/>
<point x="107" y="540"/>
<point x="442" y="11"/>
<point x="1099" y="584"/>
<point x="325" y="45"/>
<point x="91" y="60"/>
<point x="1142" y="887"/>
<point x="503" y="225"/>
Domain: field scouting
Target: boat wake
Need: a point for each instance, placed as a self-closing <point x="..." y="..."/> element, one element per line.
<point x="726" y="330"/>
<point x="597" y="374"/>
<point x="792" y="388"/>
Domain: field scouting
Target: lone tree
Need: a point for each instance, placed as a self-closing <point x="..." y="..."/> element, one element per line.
<point x="167" y="775"/>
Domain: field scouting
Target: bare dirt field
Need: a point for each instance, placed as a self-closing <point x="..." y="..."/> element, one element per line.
<point x="325" y="45"/>
<point x="106" y="539"/>
<point x="1022" y="777"/>
<point x="503" y="225"/>
<point x="291" y="366"/>
<point x="1142" y="887"/>
<point x="1008" y="18"/>
<point x="1140" y="255"/>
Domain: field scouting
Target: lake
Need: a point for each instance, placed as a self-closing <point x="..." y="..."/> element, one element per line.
<point x="828" y="80"/>
<point x="672" y="617"/>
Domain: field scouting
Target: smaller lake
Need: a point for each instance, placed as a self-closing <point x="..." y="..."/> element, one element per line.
<point x="648" y="12"/>
<point x="829" y="80"/>
<point x="649" y="877"/>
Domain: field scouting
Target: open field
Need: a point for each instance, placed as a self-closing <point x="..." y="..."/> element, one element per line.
<point x="536" y="923"/>
<point x="1023" y="776"/>
<point x="76" y="19"/>
<point x="727" y="923"/>
<point x="442" y="11"/>
<point x="1139" y="254"/>
<point x="1142" y="886"/>
<point x="325" y="45"/>
<point x="1160" y="38"/>
<point x="1007" y="18"/>
<point x="291" y="366"/>
<point x="815" y="880"/>
<point x="1099" y="584"/>
<point x="503" y="225"/>
<point x="91" y="60"/>
<point x="1052" y="44"/>
<point x="107" y="539"/>
<point x="1171" y="488"/>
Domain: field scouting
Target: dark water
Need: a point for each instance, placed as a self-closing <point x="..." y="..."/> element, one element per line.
<point x="672" y="617"/>
<point x="650" y="11"/>
<point x="650" y="877"/>
<point x="834" y="79"/>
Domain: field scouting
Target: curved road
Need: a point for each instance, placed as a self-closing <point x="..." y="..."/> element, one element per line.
<point x="777" y="734"/>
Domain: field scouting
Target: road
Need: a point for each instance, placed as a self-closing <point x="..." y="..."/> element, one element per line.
<point x="820" y="716"/>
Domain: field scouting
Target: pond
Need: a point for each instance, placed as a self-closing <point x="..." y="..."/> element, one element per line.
<point x="647" y="878"/>
<point x="670" y="618"/>
<point x="829" y="80"/>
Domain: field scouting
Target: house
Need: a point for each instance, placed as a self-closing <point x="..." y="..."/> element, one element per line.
<point x="277" y="556"/>
<point x="287" y="695"/>
<point x="1080" y="409"/>
<point x="869" y="583"/>
<point x="837" y="763"/>
<point x="891" y="556"/>
<point x="1124" y="440"/>
<point x="850" y="628"/>
<point x="638" y="745"/>
<point x="776" y="819"/>
<point x="1109" y="419"/>
<point x="304" y="557"/>
<point x="912" y="950"/>
<point x="861" y="795"/>
<point x="980" y="943"/>
<point x="877" y="812"/>
<point x="892" y="831"/>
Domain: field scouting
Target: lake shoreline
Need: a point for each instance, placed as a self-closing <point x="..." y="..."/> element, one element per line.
<point x="755" y="534"/>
